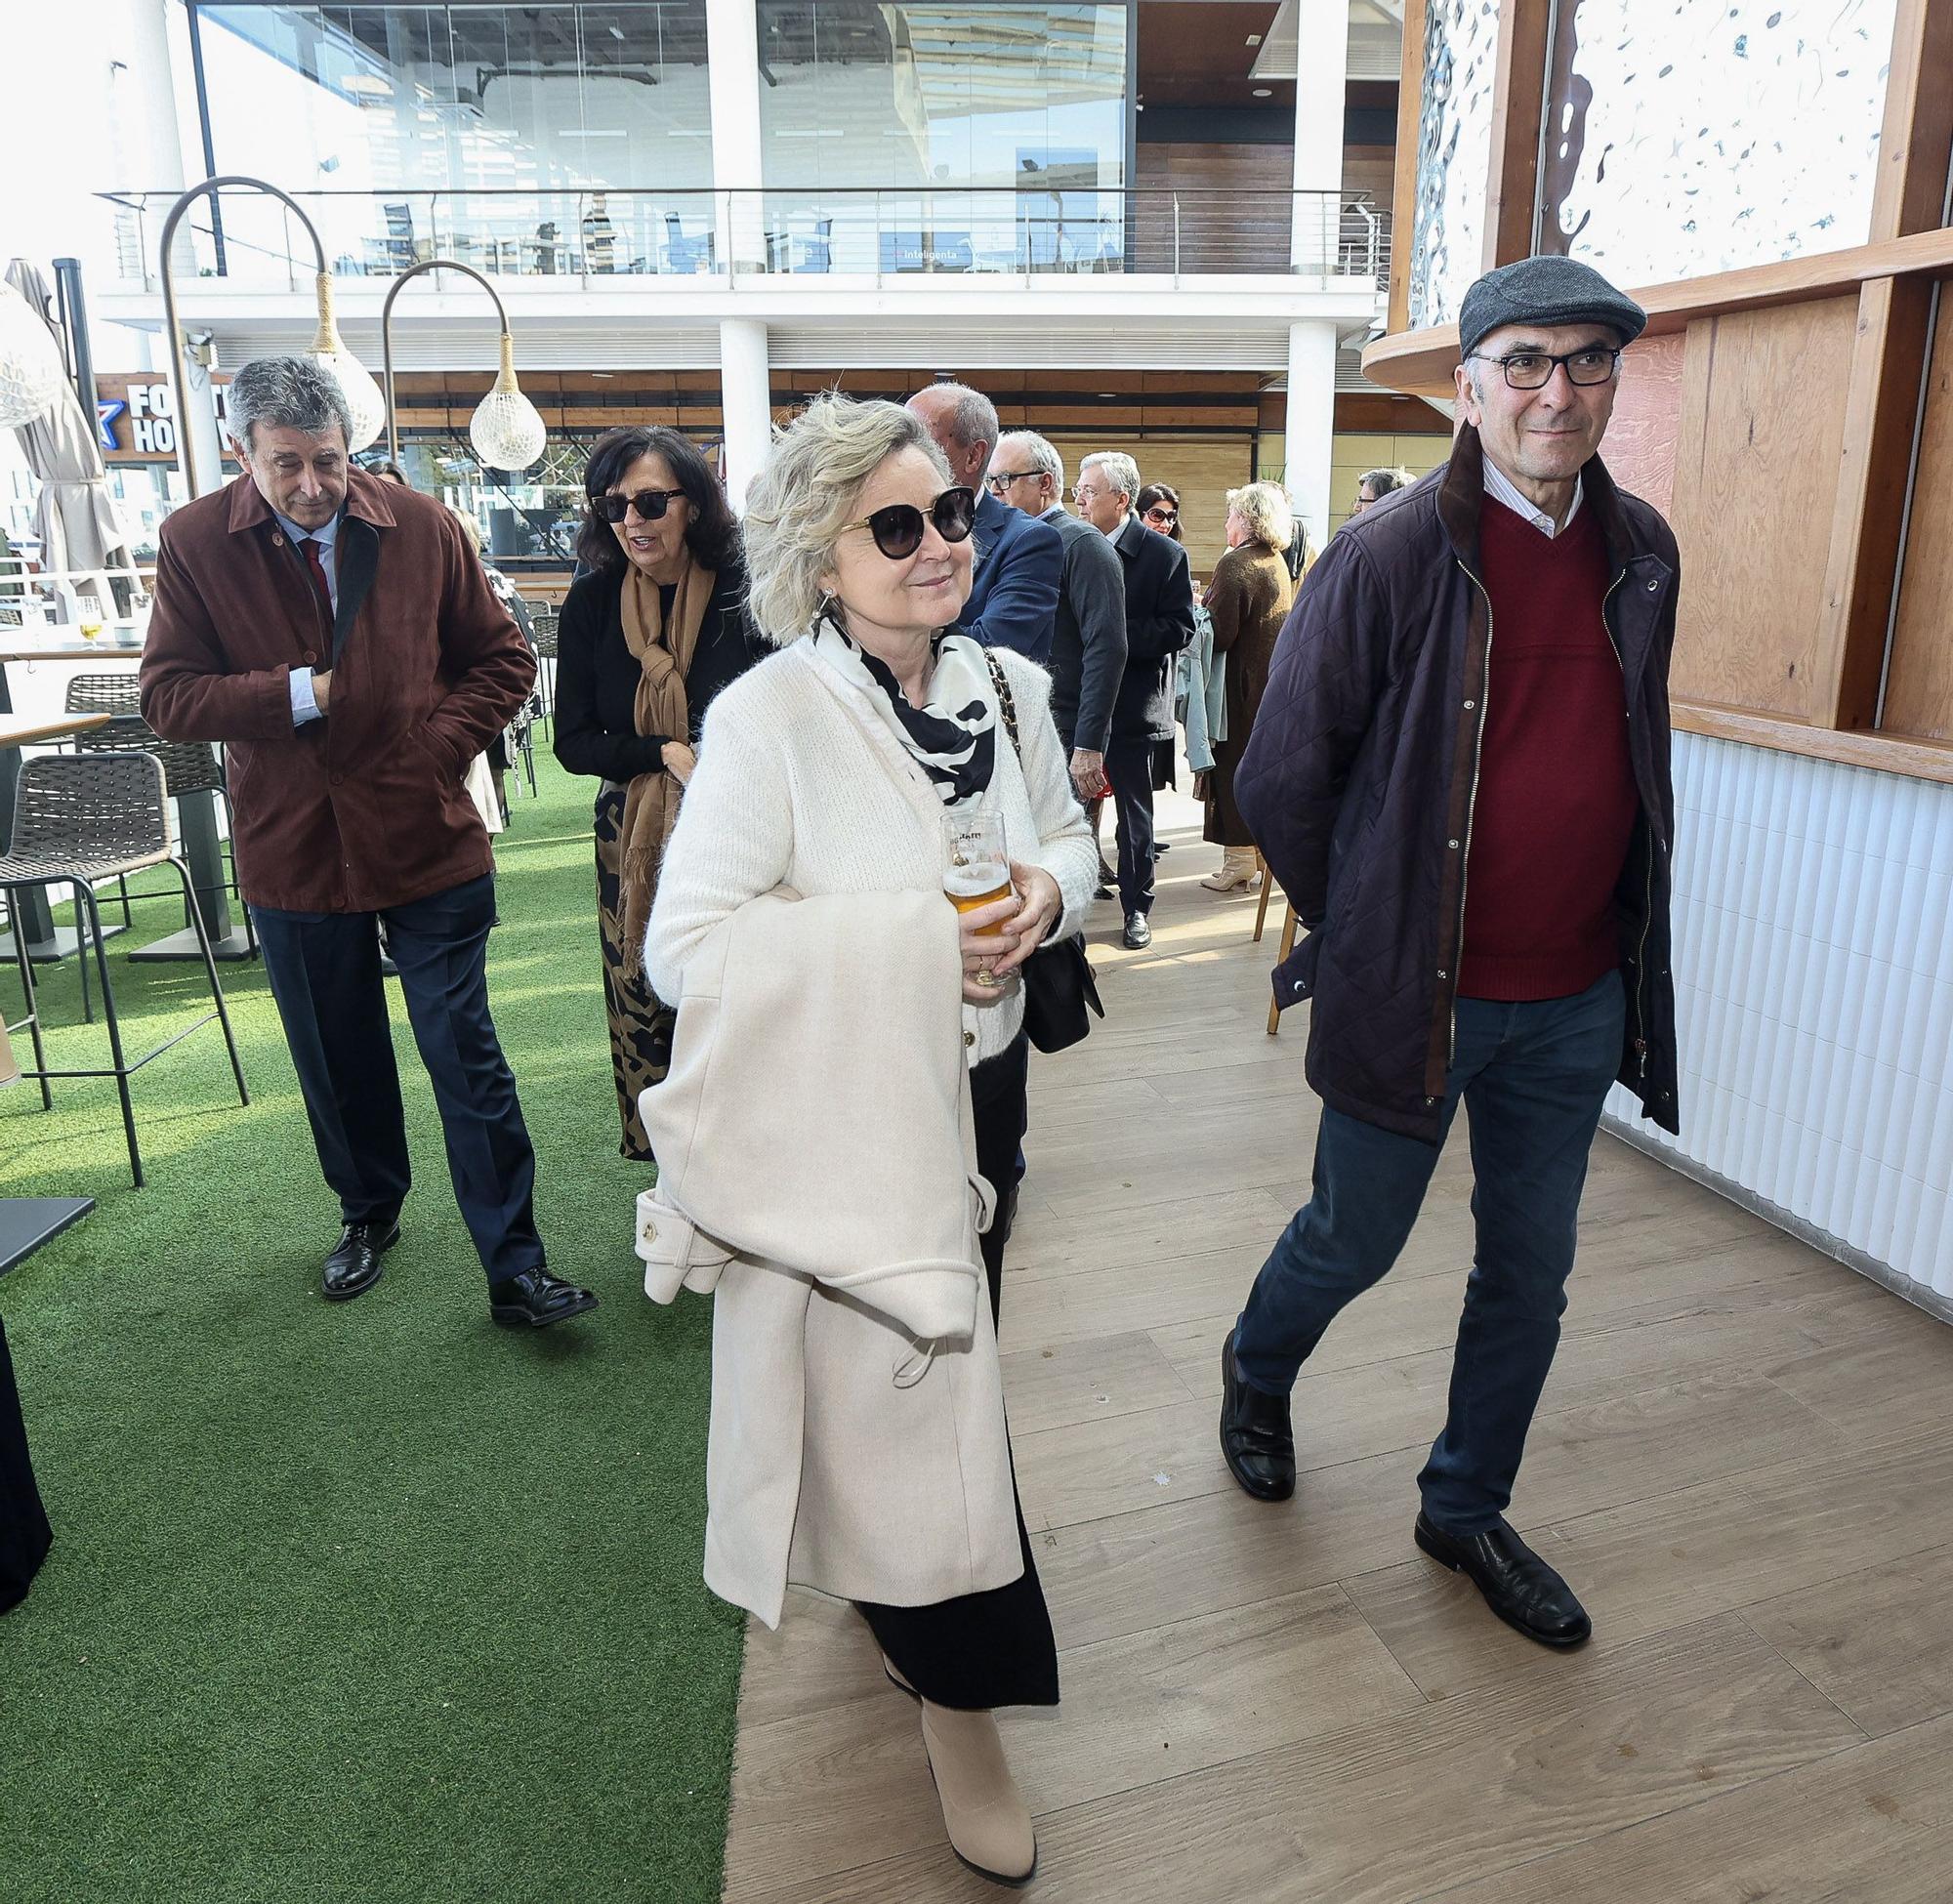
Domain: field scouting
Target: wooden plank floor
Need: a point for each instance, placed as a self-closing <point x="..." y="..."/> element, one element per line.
<point x="1743" y="1461"/>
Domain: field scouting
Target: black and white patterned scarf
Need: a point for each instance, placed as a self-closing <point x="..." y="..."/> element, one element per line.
<point x="953" y="736"/>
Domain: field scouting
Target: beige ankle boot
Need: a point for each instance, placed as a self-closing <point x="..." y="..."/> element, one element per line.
<point x="1239" y="871"/>
<point x="989" y="1824"/>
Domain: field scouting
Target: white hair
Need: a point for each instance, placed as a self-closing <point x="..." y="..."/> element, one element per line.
<point x="1044" y="458"/>
<point x="1265" y="507"/>
<point x="1121" y="472"/>
<point x="972" y="417"/>
<point x="808" y="491"/>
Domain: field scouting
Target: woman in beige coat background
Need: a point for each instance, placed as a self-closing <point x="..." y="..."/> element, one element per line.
<point x="1249" y="599"/>
<point x="828" y="770"/>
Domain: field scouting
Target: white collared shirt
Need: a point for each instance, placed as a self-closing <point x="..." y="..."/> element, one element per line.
<point x="1501" y="488"/>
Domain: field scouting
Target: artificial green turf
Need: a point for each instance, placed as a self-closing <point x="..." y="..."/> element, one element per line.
<point x="370" y="1602"/>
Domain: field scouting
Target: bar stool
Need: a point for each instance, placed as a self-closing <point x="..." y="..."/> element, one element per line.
<point x="81" y="817"/>
<point x="1288" y="931"/>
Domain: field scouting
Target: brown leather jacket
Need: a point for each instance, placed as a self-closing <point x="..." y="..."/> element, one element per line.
<point x="365" y="808"/>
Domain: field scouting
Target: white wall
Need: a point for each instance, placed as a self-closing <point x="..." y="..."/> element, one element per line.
<point x="1813" y="967"/>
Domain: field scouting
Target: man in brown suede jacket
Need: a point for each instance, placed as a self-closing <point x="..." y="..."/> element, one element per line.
<point x="339" y="636"/>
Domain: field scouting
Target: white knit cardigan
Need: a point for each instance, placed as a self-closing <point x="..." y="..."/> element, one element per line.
<point x="799" y="783"/>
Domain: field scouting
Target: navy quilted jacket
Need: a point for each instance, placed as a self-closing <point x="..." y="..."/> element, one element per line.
<point x="1359" y="777"/>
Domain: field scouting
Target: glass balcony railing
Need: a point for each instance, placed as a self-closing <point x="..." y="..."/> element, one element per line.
<point x="872" y="235"/>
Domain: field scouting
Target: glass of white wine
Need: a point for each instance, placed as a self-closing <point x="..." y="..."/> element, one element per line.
<point x="88" y="616"/>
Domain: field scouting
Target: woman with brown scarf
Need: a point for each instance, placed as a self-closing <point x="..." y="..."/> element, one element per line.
<point x="643" y="645"/>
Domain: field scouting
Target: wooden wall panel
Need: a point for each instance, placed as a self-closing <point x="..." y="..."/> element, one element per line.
<point x="1763" y="427"/>
<point x="1403" y="209"/>
<point x="1519" y="99"/>
<point x="1639" y="445"/>
<point x="1919" y="686"/>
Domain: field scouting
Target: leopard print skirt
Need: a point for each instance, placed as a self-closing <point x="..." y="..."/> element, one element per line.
<point x="641" y="1022"/>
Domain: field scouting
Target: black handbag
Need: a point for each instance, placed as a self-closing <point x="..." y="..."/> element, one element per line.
<point x="1058" y="978"/>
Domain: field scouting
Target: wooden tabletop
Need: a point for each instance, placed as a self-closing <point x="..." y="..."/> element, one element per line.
<point x="24" y="730"/>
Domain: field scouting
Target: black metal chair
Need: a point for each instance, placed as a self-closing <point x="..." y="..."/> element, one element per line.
<point x="81" y="817"/>
<point x="543" y="623"/>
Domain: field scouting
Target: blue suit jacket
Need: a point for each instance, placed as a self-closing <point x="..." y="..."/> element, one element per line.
<point x="1014" y="592"/>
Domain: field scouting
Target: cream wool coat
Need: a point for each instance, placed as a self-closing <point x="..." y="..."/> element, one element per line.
<point x="858" y="1441"/>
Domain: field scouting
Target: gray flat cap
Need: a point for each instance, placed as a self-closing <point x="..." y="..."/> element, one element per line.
<point x="1545" y="291"/>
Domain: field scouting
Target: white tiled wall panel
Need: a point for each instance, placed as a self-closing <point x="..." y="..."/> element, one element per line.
<point x="1813" y="966"/>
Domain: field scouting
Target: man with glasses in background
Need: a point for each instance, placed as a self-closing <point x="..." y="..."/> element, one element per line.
<point x="1159" y="623"/>
<point x="1015" y="559"/>
<point x="1373" y="485"/>
<point x="1088" y="648"/>
<point x="1460" y="776"/>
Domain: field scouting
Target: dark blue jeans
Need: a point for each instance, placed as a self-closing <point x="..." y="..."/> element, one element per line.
<point x="1532" y="1078"/>
<point x="324" y="968"/>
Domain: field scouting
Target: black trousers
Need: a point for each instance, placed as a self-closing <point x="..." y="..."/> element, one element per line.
<point x="324" y="968"/>
<point x="1128" y="766"/>
<point x="24" y="1534"/>
<point x="994" y="1648"/>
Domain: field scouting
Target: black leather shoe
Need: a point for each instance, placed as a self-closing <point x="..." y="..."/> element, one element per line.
<point x="1517" y="1584"/>
<point x="1139" y="932"/>
<point x="1255" y="1434"/>
<point x="537" y="1299"/>
<point x="1102" y="891"/>
<point x="353" y="1267"/>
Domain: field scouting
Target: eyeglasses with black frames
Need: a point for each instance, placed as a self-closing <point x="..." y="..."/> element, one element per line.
<point x="898" y="529"/>
<point x="1533" y="369"/>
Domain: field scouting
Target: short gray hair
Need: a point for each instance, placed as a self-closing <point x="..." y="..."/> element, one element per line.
<point x="288" y="393"/>
<point x="972" y="417"/>
<point x="1265" y="507"/>
<point x="1387" y="483"/>
<point x="1043" y="458"/>
<point x="808" y="491"/>
<point x="1121" y="472"/>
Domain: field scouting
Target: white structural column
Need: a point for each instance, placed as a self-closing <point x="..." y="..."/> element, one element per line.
<point x="746" y="389"/>
<point x="733" y="55"/>
<point x="1322" y="57"/>
<point x="1309" y="448"/>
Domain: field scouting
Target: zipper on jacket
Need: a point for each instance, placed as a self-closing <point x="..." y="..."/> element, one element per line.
<point x="1655" y="845"/>
<point x="1471" y="807"/>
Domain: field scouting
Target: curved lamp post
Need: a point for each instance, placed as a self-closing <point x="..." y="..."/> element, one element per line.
<point x="507" y="430"/>
<point x="30" y="366"/>
<point x="328" y="348"/>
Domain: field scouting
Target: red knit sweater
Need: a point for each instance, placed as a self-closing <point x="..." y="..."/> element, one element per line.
<point x="1557" y="802"/>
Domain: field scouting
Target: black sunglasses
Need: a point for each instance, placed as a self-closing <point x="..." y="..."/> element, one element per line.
<point x="650" y="504"/>
<point x="898" y="529"/>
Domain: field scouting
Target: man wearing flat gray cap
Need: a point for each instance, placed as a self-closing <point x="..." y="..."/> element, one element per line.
<point x="1460" y="775"/>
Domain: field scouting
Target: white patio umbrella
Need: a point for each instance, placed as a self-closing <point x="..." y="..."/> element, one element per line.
<point x="74" y="516"/>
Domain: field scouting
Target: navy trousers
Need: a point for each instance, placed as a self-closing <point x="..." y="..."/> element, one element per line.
<point x="324" y="968"/>
<point x="1128" y="766"/>
<point x="1532" y="1079"/>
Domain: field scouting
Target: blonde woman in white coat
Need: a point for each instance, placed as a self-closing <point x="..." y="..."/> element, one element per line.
<point x="827" y="768"/>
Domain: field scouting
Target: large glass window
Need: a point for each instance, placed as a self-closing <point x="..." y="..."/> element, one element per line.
<point x="502" y="134"/>
<point x="1686" y="137"/>
<point x="943" y="136"/>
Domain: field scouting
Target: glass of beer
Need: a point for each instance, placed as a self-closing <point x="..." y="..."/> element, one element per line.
<point x="88" y="616"/>
<point x="978" y="872"/>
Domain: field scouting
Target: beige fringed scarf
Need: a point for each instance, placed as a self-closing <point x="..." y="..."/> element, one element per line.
<point x="663" y="652"/>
